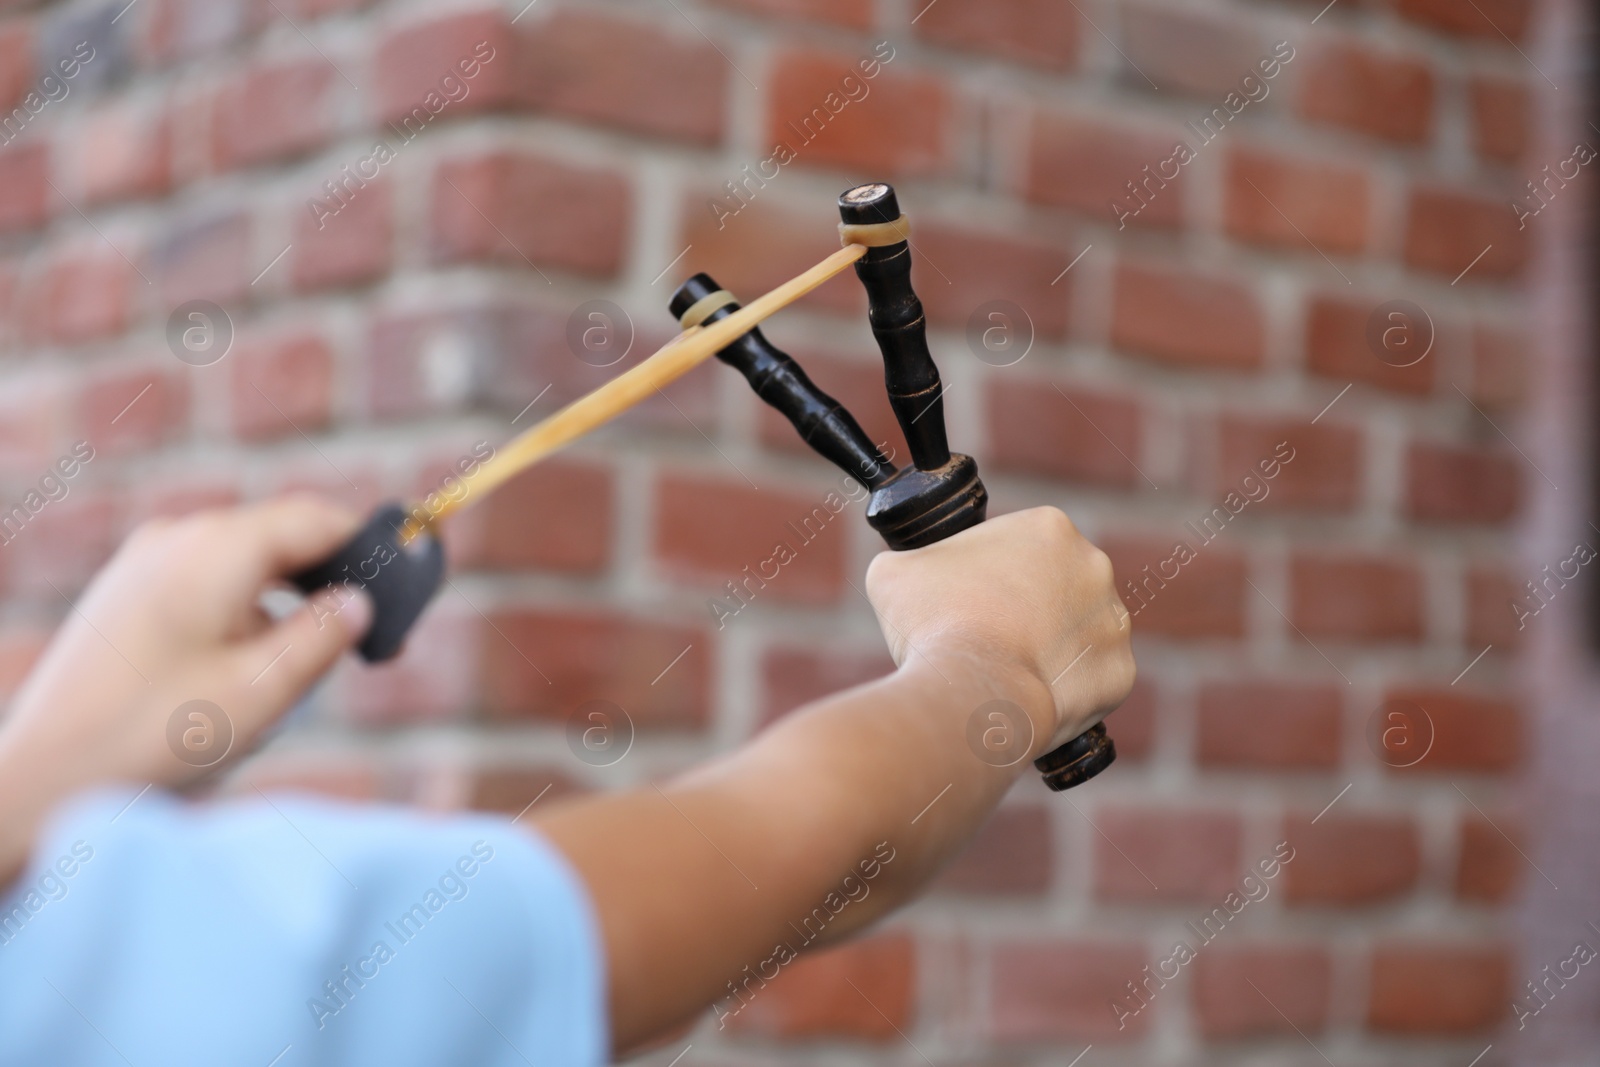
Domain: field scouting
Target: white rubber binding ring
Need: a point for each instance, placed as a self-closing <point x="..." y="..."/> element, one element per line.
<point x="875" y="234"/>
<point x="705" y="307"/>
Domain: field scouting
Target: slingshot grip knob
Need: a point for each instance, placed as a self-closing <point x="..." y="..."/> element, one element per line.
<point x="399" y="579"/>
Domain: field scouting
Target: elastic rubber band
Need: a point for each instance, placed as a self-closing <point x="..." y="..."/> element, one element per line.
<point x="702" y="309"/>
<point x="875" y="234"/>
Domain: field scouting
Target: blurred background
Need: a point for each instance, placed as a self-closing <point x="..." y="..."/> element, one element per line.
<point x="255" y="245"/>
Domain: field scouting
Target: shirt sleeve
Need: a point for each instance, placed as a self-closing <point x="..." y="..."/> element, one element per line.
<point x="291" y="931"/>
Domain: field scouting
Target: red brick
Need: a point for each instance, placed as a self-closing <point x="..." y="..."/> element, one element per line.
<point x="1420" y="988"/>
<point x="175" y="498"/>
<point x="282" y="387"/>
<point x="33" y="414"/>
<point x="1152" y="855"/>
<point x="1232" y="984"/>
<point x="204" y="259"/>
<point x="272" y="112"/>
<point x="545" y="663"/>
<point x="855" y="383"/>
<point x="1304" y="205"/>
<point x="1036" y="32"/>
<point x="510" y="789"/>
<point x="514" y="528"/>
<point x="1490" y="867"/>
<point x="1461" y="483"/>
<point x="346" y="776"/>
<point x="133" y="409"/>
<point x="1493" y="20"/>
<point x="25" y="196"/>
<point x="1349" y="860"/>
<point x="435" y="677"/>
<point x="1086" y="165"/>
<point x="1041" y="427"/>
<point x="792" y="677"/>
<point x="1356" y="598"/>
<point x="1470" y="733"/>
<point x="1337" y="346"/>
<point x="863" y="991"/>
<point x="1268" y="725"/>
<point x="1502" y="115"/>
<point x="355" y="483"/>
<point x="314" y="9"/>
<point x="623" y="73"/>
<point x="1491" y="619"/>
<point x="901" y="127"/>
<point x="1205" y="601"/>
<point x="16" y="62"/>
<point x="350" y="247"/>
<point x="752" y="244"/>
<point x="715" y="531"/>
<point x="10" y="313"/>
<point x="1323" y="473"/>
<point x="182" y="29"/>
<point x="513" y="208"/>
<point x="1448" y="229"/>
<point x="1501" y="368"/>
<point x="414" y="59"/>
<point x="1188" y="318"/>
<point x="405" y="349"/>
<point x="63" y="545"/>
<point x="956" y="271"/>
<point x="1052" y="990"/>
<point x="1193" y="51"/>
<point x="1380" y="92"/>
<point x="1133" y="725"/>
<point x="1012" y="855"/>
<point x="125" y="153"/>
<point x="503" y="355"/>
<point x="84" y="293"/>
<point x="850" y="13"/>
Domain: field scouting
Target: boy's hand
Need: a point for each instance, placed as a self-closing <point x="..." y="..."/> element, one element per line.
<point x="1024" y="590"/>
<point x="174" y="618"/>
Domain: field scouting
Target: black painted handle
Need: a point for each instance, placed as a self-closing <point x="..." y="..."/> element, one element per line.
<point x="400" y="580"/>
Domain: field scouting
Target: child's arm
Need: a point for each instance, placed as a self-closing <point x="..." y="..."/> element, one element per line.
<point x="692" y="881"/>
<point x="721" y="869"/>
<point x="172" y="618"/>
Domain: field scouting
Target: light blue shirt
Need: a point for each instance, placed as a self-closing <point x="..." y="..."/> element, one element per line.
<point x="291" y="932"/>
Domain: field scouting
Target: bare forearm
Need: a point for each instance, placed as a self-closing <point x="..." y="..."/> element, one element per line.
<point x="825" y="823"/>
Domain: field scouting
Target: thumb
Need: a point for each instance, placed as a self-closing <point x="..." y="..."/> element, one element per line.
<point x="294" y="653"/>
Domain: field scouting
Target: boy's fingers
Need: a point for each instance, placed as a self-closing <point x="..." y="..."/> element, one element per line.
<point x="288" y="658"/>
<point x="289" y="533"/>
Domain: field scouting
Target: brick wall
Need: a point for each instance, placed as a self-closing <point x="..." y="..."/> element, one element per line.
<point x="1200" y="349"/>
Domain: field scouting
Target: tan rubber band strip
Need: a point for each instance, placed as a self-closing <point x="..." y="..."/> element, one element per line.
<point x="875" y="234"/>
<point x="705" y="307"/>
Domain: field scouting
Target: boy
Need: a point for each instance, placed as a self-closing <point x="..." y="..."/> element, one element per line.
<point x="144" y="932"/>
